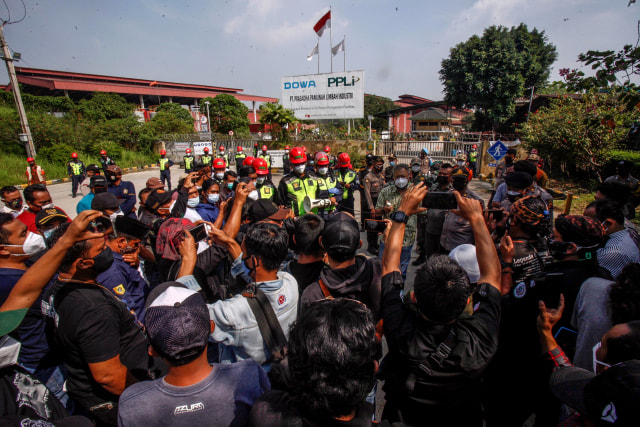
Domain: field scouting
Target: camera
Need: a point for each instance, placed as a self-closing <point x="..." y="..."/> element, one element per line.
<point x="440" y="200"/>
<point x="375" y="225"/>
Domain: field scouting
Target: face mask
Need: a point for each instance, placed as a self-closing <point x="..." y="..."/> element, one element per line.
<point x="219" y="175"/>
<point x="213" y="198"/>
<point x="286" y="151"/>
<point x="442" y="180"/>
<point x="230" y="185"/>
<point x="115" y="215"/>
<point x="47" y="206"/>
<point x="415" y="168"/>
<point x="379" y="167"/>
<point x="254" y="195"/>
<point x="323" y="171"/>
<point x="102" y="261"/>
<point x="401" y="183"/>
<point x="48" y="233"/>
<point x="299" y="169"/>
<point x="392" y="163"/>
<point x="596" y="362"/>
<point x="260" y="180"/>
<point x="508" y="161"/>
<point x="460" y="164"/>
<point x="513" y="196"/>
<point x="459" y="184"/>
<point x="33" y="244"/>
<point x="16" y="205"/>
<point x="193" y="202"/>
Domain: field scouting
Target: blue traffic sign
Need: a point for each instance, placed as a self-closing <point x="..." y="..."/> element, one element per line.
<point x="498" y="150"/>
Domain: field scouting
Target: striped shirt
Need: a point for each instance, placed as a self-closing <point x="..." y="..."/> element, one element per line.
<point x="619" y="251"/>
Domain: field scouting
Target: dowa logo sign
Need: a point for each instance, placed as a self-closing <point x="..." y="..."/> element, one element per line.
<point x="325" y="96"/>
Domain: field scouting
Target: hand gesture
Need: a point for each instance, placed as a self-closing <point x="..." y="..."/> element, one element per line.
<point x="218" y="236"/>
<point x="412" y="199"/>
<point x="187" y="247"/>
<point x="506" y="248"/>
<point x="188" y="181"/>
<point x="548" y="317"/>
<point x="467" y="208"/>
<point x="242" y="192"/>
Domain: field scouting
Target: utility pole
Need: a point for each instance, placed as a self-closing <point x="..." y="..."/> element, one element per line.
<point x="8" y="58"/>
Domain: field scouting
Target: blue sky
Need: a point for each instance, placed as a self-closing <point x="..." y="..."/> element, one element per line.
<point x="250" y="44"/>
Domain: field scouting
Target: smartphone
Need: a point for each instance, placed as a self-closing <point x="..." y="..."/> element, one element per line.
<point x="440" y="200"/>
<point x="199" y="232"/>
<point x="375" y="225"/>
<point x="497" y="213"/>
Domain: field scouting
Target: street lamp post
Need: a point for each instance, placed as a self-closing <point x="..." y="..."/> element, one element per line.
<point x="208" y="117"/>
<point x="370" y="118"/>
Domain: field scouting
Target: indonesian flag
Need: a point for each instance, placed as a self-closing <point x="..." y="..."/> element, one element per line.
<point x="323" y="24"/>
<point x="313" y="52"/>
<point x="338" y="48"/>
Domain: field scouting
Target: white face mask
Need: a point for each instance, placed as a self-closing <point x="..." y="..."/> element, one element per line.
<point x="260" y="180"/>
<point x="193" y="202"/>
<point x="219" y="175"/>
<point x="48" y="206"/>
<point x="213" y="198"/>
<point x="461" y="164"/>
<point x="415" y="168"/>
<point x="33" y="244"/>
<point x="254" y="195"/>
<point x="596" y="362"/>
<point x="115" y="215"/>
<point x="323" y="171"/>
<point x="401" y="182"/>
<point x="299" y="169"/>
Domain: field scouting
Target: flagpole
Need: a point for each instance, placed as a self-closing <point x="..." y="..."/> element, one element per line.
<point x="318" y="46"/>
<point x="344" y="54"/>
<point x="331" y="39"/>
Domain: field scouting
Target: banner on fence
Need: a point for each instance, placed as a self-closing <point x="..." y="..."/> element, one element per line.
<point x="198" y="147"/>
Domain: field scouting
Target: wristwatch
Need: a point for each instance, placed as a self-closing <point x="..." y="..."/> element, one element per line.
<point x="400" y="216"/>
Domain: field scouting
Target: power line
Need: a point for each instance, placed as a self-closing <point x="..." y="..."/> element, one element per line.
<point x="8" y="21"/>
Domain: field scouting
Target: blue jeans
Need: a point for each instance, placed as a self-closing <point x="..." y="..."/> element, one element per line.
<point x="405" y="257"/>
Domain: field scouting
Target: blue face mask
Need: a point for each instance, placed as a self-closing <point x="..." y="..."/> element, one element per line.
<point x="392" y="163"/>
<point x="193" y="202"/>
<point x="239" y="269"/>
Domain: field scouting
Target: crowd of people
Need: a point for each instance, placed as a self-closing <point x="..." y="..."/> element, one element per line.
<point x="234" y="301"/>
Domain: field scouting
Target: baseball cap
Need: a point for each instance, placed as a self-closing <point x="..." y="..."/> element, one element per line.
<point x="157" y="198"/>
<point x="341" y="231"/>
<point x="114" y="169"/>
<point x="262" y="209"/>
<point x="93" y="167"/>
<point x="415" y="162"/>
<point x="46" y="215"/>
<point x="177" y="322"/>
<point x="10" y="320"/>
<point x="154" y="182"/>
<point x="465" y="256"/>
<point x="98" y="181"/>
<point x="520" y="180"/>
<point x="463" y="172"/>
<point x="104" y="201"/>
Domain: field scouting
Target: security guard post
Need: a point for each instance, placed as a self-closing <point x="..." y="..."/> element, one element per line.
<point x="76" y="171"/>
<point x="295" y="187"/>
<point x="373" y="184"/>
<point x="189" y="161"/>
<point x="165" y="173"/>
<point x="349" y="181"/>
<point x="265" y="187"/>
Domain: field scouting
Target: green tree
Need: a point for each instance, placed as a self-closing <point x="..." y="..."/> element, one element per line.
<point x="105" y="106"/>
<point x="374" y="104"/>
<point x="489" y="72"/>
<point x="278" y="117"/>
<point x="580" y="132"/>
<point x="176" y="110"/>
<point x="227" y="113"/>
<point x="170" y="118"/>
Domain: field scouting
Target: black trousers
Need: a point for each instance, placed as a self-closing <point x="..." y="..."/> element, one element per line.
<point x="166" y="176"/>
<point x="346" y="205"/>
<point x="76" y="180"/>
<point x="372" y="236"/>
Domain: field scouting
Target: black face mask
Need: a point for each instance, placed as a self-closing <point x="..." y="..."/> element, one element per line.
<point x="442" y="180"/>
<point x="459" y="184"/>
<point x="102" y="261"/>
<point x="508" y="161"/>
<point x="379" y="167"/>
<point x="514" y="198"/>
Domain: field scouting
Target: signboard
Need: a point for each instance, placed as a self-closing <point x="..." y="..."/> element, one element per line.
<point x="498" y="150"/>
<point x="493" y="164"/>
<point x="203" y="119"/>
<point x="180" y="147"/>
<point x="198" y="147"/>
<point x="324" y="96"/>
<point x="230" y="133"/>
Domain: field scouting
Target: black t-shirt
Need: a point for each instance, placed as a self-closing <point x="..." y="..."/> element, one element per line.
<point x="305" y="274"/>
<point x="88" y="324"/>
<point x="451" y="393"/>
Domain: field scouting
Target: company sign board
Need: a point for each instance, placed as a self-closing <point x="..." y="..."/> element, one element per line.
<point x="325" y="96"/>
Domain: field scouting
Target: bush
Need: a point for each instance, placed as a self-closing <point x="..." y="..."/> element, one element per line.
<point x="59" y="154"/>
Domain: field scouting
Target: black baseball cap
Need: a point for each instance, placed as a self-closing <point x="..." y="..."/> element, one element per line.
<point x="103" y="201"/>
<point x="341" y="231"/>
<point x="262" y="209"/>
<point x="98" y="181"/>
<point x="157" y="198"/>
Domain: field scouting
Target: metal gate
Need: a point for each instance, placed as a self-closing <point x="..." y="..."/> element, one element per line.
<point x="438" y="150"/>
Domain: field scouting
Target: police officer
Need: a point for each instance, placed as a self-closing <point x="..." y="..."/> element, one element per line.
<point x="189" y="161"/>
<point x="222" y="154"/>
<point x="206" y="159"/>
<point x="165" y="173"/>
<point x="123" y="190"/>
<point x="349" y="181"/>
<point x="76" y="171"/>
<point x="267" y="158"/>
<point x="373" y="184"/>
<point x="286" y="163"/>
<point x="461" y="162"/>
<point x="388" y="171"/>
<point x="473" y="159"/>
<point x="105" y="160"/>
<point x="332" y="158"/>
<point x="328" y="186"/>
<point x="240" y="156"/>
<point x="294" y="187"/>
<point x="265" y="187"/>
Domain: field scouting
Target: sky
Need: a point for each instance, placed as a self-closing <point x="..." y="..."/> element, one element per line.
<point x="251" y="44"/>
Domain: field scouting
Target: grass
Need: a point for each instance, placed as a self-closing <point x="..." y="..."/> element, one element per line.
<point x="13" y="166"/>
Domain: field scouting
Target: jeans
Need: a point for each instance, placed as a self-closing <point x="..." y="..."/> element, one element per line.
<point x="405" y="257"/>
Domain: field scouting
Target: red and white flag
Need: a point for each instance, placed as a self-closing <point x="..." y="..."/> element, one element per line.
<point x="323" y="24"/>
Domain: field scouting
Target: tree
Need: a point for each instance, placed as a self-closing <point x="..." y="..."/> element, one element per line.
<point x="374" y="104"/>
<point x="489" y="72"/>
<point x="278" y="117"/>
<point x="105" y="106"/>
<point x="175" y="110"/>
<point x="227" y="113"/>
<point x="171" y="118"/>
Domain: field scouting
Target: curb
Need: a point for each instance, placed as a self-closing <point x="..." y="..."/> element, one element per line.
<point x="62" y="180"/>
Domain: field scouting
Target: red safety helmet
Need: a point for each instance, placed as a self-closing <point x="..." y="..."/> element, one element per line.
<point x="255" y="145"/>
<point x="30" y="159"/>
<point x="248" y="161"/>
<point x="286" y="147"/>
<point x="188" y="150"/>
<point x="74" y="155"/>
<point x="327" y="149"/>
<point x="474" y="146"/>
<point x="239" y="149"/>
<point x="103" y="153"/>
<point x="221" y="148"/>
<point x="206" y="149"/>
<point x="162" y="153"/>
<point x="344" y="160"/>
<point x="297" y="156"/>
<point x="322" y="159"/>
<point x="219" y="164"/>
<point x="260" y="165"/>
<point x="264" y="148"/>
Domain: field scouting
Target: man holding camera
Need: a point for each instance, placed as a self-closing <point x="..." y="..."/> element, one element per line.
<point x="435" y="217"/>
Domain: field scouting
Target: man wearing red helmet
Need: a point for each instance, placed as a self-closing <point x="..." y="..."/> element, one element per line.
<point x="165" y="172"/>
<point x="76" y="171"/>
<point x="105" y="161"/>
<point x="286" y="163"/>
<point x="267" y="158"/>
<point x="240" y="156"/>
<point x="294" y="187"/>
<point x="332" y="158"/>
<point x="222" y="154"/>
<point x="473" y="159"/>
<point x="265" y="187"/>
<point x="206" y="159"/>
<point x="328" y="186"/>
<point x="248" y="161"/>
<point x="34" y="173"/>
<point x="189" y="161"/>
<point x="349" y="181"/>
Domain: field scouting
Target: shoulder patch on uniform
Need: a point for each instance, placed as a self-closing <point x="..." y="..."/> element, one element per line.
<point x="295" y="185"/>
<point x="119" y="290"/>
